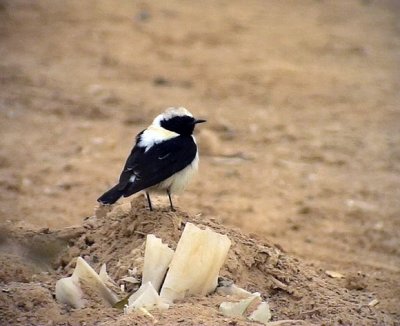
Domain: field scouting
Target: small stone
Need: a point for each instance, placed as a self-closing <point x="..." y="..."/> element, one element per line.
<point x="334" y="274"/>
<point x="89" y="240"/>
<point x="304" y="210"/>
<point x="356" y="282"/>
<point x="373" y="303"/>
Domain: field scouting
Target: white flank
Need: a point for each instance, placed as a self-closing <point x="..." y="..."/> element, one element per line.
<point x="178" y="182"/>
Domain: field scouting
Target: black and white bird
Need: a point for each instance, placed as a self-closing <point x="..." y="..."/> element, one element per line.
<point x="164" y="158"/>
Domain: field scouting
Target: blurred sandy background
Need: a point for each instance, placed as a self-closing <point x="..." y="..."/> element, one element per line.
<point x="302" y="144"/>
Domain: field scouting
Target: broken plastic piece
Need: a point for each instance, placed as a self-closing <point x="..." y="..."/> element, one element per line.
<point x="237" y="309"/>
<point x="130" y="279"/>
<point x="68" y="290"/>
<point x="103" y="273"/>
<point x="87" y="275"/>
<point x="196" y="263"/>
<point x="146" y="297"/>
<point x="107" y="280"/>
<point x="262" y="314"/>
<point x="157" y="257"/>
<point x="233" y="289"/>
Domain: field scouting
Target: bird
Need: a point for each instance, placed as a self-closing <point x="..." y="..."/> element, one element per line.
<point x="163" y="159"/>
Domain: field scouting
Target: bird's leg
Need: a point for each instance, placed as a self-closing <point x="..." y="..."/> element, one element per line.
<point x="170" y="201"/>
<point x="149" y="201"/>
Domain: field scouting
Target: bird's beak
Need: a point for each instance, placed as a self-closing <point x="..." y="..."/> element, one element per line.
<point x="199" y="121"/>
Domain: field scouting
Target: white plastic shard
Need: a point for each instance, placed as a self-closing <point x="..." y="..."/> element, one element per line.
<point x="262" y="314"/>
<point x="107" y="280"/>
<point x="146" y="297"/>
<point x="88" y="276"/>
<point x="69" y="291"/>
<point x="196" y="263"/>
<point x="237" y="309"/>
<point x="103" y="274"/>
<point x="130" y="279"/>
<point x="157" y="257"/>
<point x="233" y="290"/>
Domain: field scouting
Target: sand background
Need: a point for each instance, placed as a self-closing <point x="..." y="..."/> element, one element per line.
<point x="302" y="144"/>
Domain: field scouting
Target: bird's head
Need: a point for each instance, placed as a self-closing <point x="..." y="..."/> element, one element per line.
<point x="178" y="120"/>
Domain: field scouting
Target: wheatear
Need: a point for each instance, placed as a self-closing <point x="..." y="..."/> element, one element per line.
<point x="164" y="158"/>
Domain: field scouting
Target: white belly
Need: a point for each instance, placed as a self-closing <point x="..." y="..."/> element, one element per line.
<point x="178" y="182"/>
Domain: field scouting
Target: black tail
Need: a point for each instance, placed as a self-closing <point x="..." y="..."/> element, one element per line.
<point x="111" y="196"/>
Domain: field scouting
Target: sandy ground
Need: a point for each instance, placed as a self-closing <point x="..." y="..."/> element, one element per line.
<point x="302" y="144"/>
<point x="295" y="290"/>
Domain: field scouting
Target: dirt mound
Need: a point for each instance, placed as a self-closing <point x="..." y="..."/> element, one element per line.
<point x="294" y="290"/>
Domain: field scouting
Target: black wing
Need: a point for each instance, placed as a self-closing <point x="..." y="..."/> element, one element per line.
<point x="157" y="164"/>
